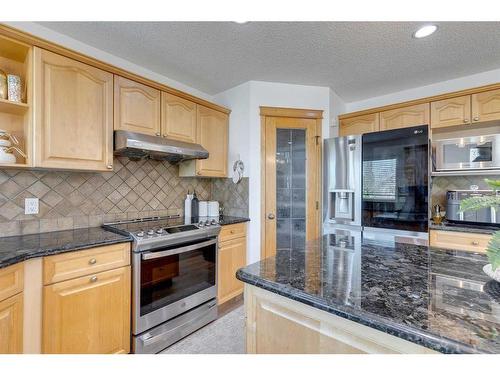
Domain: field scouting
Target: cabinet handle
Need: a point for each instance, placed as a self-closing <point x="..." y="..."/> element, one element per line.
<point x="198" y="173"/>
<point x="93" y="279"/>
<point x="475" y="243"/>
<point x="476" y="118"/>
<point x="158" y="134"/>
<point x="93" y="261"/>
<point x="109" y="166"/>
<point x="466" y="120"/>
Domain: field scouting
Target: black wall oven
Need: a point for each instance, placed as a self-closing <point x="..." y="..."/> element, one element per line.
<point x="395" y="179"/>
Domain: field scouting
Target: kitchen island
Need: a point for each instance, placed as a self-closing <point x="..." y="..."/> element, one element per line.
<point x="345" y="294"/>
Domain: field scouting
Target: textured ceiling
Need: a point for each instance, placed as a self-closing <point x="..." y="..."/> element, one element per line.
<point x="357" y="60"/>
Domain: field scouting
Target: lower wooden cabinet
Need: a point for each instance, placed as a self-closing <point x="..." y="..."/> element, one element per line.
<point x="231" y="257"/>
<point x="89" y="314"/>
<point x="463" y="241"/>
<point x="11" y="325"/>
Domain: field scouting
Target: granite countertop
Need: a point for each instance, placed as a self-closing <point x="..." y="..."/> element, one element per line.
<point x="228" y="220"/>
<point x="469" y="228"/>
<point x="436" y="298"/>
<point x="19" y="248"/>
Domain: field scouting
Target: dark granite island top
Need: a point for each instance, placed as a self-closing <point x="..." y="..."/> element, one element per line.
<point x="435" y="298"/>
<point x="16" y="249"/>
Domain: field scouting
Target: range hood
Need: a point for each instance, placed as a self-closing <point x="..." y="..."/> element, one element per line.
<point x="137" y="146"/>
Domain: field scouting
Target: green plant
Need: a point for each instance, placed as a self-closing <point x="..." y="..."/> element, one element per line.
<point x="476" y="203"/>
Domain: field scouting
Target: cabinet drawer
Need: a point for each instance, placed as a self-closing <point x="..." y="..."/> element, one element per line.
<point x="85" y="262"/>
<point x="460" y="240"/>
<point x="11" y="280"/>
<point x="229" y="232"/>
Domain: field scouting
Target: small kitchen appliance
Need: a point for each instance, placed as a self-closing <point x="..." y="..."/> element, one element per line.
<point x="483" y="216"/>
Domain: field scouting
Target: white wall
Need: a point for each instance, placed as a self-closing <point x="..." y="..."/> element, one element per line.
<point x="475" y="80"/>
<point x="245" y="101"/>
<point x="75" y="45"/>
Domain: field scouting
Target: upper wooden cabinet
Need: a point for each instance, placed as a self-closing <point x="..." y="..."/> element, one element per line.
<point x="359" y="125"/>
<point x="486" y="106"/>
<point x="451" y="112"/>
<point x="88" y="315"/>
<point x="178" y="118"/>
<point x="212" y="133"/>
<point x="137" y="107"/>
<point x="73" y="114"/>
<point x="405" y="117"/>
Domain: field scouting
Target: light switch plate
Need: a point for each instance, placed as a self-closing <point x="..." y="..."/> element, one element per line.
<point x="30" y="206"/>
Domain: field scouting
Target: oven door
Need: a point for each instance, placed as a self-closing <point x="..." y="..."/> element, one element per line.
<point x="481" y="152"/>
<point x="171" y="280"/>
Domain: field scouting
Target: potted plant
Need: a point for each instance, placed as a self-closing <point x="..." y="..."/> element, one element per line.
<point x="493" y="250"/>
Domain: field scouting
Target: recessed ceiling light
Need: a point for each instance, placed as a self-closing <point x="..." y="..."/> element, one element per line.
<point x="425" y="31"/>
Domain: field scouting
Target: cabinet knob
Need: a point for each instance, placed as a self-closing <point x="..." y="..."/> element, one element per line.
<point x="476" y="118"/>
<point x="475" y="243"/>
<point x="232" y="231"/>
<point x="270" y="216"/>
<point x="109" y="166"/>
<point x="93" y="261"/>
<point x="158" y="134"/>
<point x="466" y="120"/>
<point x="198" y="173"/>
<point x="93" y="279"/>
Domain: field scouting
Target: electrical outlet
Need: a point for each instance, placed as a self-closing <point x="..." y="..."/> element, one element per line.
<point x="30" y="206"/>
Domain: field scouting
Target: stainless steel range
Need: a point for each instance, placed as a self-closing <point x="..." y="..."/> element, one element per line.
<point x="174" y="280"/>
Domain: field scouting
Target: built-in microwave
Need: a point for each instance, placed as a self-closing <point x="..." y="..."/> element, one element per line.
<point x="467" y="153"/>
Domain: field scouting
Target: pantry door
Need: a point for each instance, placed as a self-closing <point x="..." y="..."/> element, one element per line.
<point x="291" y="178"/>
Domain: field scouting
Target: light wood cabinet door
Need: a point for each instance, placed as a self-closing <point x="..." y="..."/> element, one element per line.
<point x="212" y="134"/>
<point x="73" y="114"/>
<point x="405" y="117"/>
<point x="232" y="256"/>
<point x="486" y="106"/>
<point x="359" y="125"/>
<point x="451" y="112"/>
<point x="178" y="118"/>
<point x="11" y="325"/>
<point x="88" y="315"/>
<point x="464" y="241"/>
<point x="137" y="107"/>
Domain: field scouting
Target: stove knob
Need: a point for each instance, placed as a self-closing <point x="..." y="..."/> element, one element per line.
<point x="207" y="223"/>
<point x="140" y="234"/>
<point x="200" y="224"/>
<point x="151" y="232"/>
<point x="213" y="222"/>
<point x="159" y="231"/>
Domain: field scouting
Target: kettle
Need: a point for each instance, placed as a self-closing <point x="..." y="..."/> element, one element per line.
<point x="6" y="148"/>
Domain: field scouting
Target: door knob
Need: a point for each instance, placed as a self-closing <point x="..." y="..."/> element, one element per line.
<point x="270" y="216"/>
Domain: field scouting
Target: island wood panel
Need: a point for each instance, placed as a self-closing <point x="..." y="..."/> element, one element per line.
<point x="464" y="241"/>
<point x="73" y="114"/>
<point x="178" y="118"/>
<point x="272" y="321"/>
<point x="88" y="315"/>
<point x="405" y="117"/>
<point x="359" y="125"/>
<point x="137" y="107"/>
<point x="232" y="256"/>
<point x="486" y="106"/>
<point x="11" y="325"/>
<point x="85" y="262"/>
<point x="11" y="280"/>
<point x="451" y="112"/>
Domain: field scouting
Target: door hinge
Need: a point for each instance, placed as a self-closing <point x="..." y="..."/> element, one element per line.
<point x="317" y="205"/>
<point x="317" y="139"/>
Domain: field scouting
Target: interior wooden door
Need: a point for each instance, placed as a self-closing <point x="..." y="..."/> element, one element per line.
<point x="73" y="114"/>
<point x="88" y="315"/>
<point x="178" y="118"/>
<point x="292" y="174"/>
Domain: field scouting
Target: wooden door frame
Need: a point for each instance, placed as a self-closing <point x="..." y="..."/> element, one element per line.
<point x="266" y="112"/>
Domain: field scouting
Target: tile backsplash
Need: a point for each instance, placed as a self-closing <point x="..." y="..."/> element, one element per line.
<point x="440" y="184"/>
<point x="233" y="197"/>
<point x="84" y="199"/>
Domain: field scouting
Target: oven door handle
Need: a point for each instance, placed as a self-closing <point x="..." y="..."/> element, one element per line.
<point x="160" y="254"/>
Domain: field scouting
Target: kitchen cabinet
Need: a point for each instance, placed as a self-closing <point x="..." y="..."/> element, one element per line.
<point x="73" y="126"/>
<point x="178" y="118"/>
<point x="359" y="125"/>
<point x="464" y="241"/>
<point x="486" y="106"/>
<point x="405" y="117"/>
<point x="137" y="107"/>
<point x="231" y="257"/>
<point x="86" y="301"/>
<point x="212" y="133"/>
<point x="11" y="325"/>
<point x="11" y="309"/>
<point x="451" y="112"/>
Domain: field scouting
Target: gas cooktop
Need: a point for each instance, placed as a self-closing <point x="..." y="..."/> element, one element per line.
<point x="153" y="232"/>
